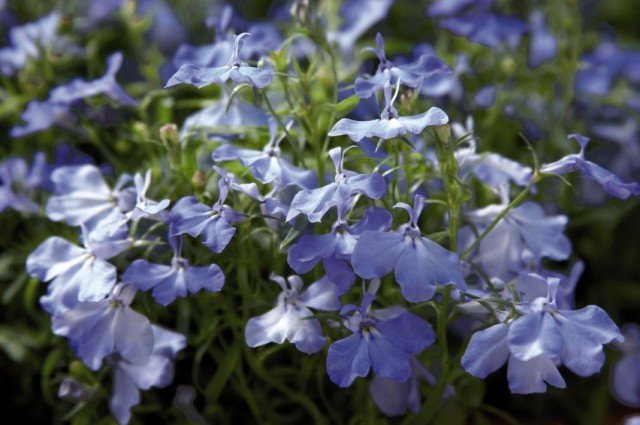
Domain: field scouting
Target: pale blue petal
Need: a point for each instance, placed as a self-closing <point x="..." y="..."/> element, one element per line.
<point x="487" y="351"/>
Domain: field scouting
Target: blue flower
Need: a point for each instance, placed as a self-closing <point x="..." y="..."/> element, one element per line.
<point x="268" y="165"/>
<point x="384" y="342"/>
<point x="611" y="183"/>
<point x="334" y="249"/>
<point x="394" y="398"/>
<point x="625" y="376"/>
<point x="452" y="7"/>
<point x="83" y="197"/>
<point x="224" y="115"/>
<point x="30" y="41"/>
<point x="77" y="274"/>
<point x="146" y="208"/>
<point x="19" y="182"/>
<point x="355" y="23"/>
<point x="600" y="69"/>
<point x="488" y="350"/>
<point x="490" y="168"/>
<point x="214" y="223"/>
<point x="543" y="46"/>
<point x="97" y="329"/>
<point x="291" y="318"/>
<point x="154" y="371"/>
<point x="420" y="264"/>
<point x="57" y="109"/>
<point x="539" y="340"/>
<point x="178" y="279"/>
<point x="524" y="228"/>
<point x="389" y="125"/>
<point x="235" y="69"/>
<point x="315" y="203"/>
<point x="388" y="74"/>
<point x="486" y="28"/>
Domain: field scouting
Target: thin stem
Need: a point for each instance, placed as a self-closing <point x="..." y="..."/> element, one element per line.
<point x="495" y="222"/>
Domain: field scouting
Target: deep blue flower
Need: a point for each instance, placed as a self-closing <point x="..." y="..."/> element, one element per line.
<point x="268" y="165"/>
<point x="389" y="125"/>
<point x="543" y="46"/>
<point x="83" y="197"/>
<point x="611" y="183"/>
<point x="235" y="69"/>
<point x="57" y="109"/>
<point x="315" y="203"/>
<point x="214" y="223"/>
<point x="384" y="342"/>
<point x="97" y="329"/>
<point x="419" y="263"/>
<point x="334" y="249"/>
<point x="168" y="282"/>
<point x="77" y="273"/>
<point x="291" y="318"/>
<point x="154" y="371"/>
<point x="388" y="74"/>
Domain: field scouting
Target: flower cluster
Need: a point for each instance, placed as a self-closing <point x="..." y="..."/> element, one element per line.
<point x="376" y="214"/>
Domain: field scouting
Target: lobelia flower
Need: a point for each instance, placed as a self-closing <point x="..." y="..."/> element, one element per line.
<point x="445" y="84"/>
<point x="314" y="203"/>
<point x="389" y="125"/>
<point x="235" y="69"/>
<point x="146" y="208"/>
<point x="97" y="329"/>
<point x="355" y="23"/>
<point x="264" y="38"/>
<point x="384" y="341"/>
<point x="30" y="41"/>
<point x="452" y="7"/>
<point x="18" y="183"/>
<point x="539" y="340"/>
<point x="607" y="63"/>
<point x="214" y="223"/>
<point x="77" y="273"/>
<point x="291" y="318"/>
<point x="625" y="376"/>
<point x="485" y="97"/>
<point x="82" y="197"/>
<point x="154" y="371"/>
<point x="486" y="28"/>
<point x="177" y="280"/>
<point x="57" y="109"/>
<point x="388" y="74"/>
<point x="420" y="264"/>
<point x="543" y="46"/>
<point x="492" y="169"/>
<point x="524" y="229"/>
<point x="334" y="249"/>
<point x="224" y="115"/>
<point x="268" y="165"/>
<point x="611" y="183"/>
<point x="394" y="398"/>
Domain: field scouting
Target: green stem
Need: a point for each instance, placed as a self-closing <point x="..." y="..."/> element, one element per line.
<point x="495" y="222"/>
